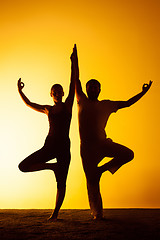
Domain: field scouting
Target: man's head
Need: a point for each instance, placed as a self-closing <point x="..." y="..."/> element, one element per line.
<point x="93" y="88"/>
<point x="57" y="93"/>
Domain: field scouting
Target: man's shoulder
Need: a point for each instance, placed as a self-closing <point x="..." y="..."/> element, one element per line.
<point x="82" y="98"/>
<point x="105" y="101"/>
<point x="110" y="104"/>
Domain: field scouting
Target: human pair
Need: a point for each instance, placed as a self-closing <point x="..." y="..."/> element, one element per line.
<point x="94" y="145"/>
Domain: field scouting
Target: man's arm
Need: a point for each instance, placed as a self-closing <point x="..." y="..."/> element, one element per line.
<point x="35" y="106"/>
<point x="145" y="88"/>
<point x="78" y="87"/>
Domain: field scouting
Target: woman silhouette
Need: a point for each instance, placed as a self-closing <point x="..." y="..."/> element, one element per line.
<point x="57" y="143"/>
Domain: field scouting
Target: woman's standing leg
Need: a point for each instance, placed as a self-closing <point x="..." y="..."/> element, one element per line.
<point x="63" y="161"/>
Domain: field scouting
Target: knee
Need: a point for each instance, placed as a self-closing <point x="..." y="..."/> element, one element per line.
<point x="22" y="167"/>
<point x="129" y="155"/>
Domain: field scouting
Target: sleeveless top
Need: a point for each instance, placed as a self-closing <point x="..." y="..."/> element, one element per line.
<point x="59" y="124"/>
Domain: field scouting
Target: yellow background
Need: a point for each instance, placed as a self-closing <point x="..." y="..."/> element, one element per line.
<point x="118" y="44"/>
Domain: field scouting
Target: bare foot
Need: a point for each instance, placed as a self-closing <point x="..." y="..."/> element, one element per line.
<point x="52" y="166"/>
<point x="53" y="217"/>
<point x="106" y="167"/>
<point x="98" y="217"/>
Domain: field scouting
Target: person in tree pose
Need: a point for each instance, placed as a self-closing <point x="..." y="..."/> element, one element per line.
<point x="57" y="143"/>
<point x="94" y="145"/>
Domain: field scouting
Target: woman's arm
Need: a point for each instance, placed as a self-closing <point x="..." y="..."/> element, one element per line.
<point x="145" y="88"/>
<point x="35" y="106"/>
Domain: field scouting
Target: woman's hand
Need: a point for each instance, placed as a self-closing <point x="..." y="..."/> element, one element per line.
<point x="20" y="84"/>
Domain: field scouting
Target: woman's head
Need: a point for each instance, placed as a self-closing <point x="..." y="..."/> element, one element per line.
<point x="57" y="93"/>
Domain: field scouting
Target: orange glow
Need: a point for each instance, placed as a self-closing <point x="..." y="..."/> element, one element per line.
<point x="118" y="44"/>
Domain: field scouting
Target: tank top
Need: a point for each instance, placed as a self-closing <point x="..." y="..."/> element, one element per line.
<point x="59" y="123"/>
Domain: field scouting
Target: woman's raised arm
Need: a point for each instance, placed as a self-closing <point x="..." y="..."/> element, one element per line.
<point x="35" y="106"/>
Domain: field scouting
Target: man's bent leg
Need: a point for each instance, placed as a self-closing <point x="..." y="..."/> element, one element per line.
<point x="121" y="155"/>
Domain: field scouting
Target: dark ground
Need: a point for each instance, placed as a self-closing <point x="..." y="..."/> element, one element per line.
<point x="126" y="224"/>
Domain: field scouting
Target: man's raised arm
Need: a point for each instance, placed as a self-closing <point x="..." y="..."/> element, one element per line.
<point x="78" y="86"/>
<point x="145" y="88"/>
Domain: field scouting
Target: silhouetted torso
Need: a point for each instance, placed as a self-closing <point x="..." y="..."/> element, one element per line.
<point x="93" y="117"/>
<point x="59" y="121"/>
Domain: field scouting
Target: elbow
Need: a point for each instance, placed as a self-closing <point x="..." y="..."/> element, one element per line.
<point x="124" y="104"/>
<point x="128" y="103"/>
<point x="28" y="103"/>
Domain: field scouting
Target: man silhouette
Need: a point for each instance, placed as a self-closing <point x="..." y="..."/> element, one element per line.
<point x="94" y="145"/>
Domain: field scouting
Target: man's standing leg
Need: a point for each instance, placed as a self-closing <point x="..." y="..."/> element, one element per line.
<point x="89" y="160"/>
<point x="95" y="200"/>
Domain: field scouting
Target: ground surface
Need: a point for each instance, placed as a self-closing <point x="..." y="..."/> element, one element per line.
<point x="132" y="224"/>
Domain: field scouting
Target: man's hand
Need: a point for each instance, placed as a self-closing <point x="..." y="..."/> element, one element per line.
<point x="146" y="87"/>
<point x="20" y="84"/>
<point x="74" y="54"/>
<point x="74" y="59"/>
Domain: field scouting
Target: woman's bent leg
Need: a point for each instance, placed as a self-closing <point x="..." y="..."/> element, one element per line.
<point x="37" y="161"/>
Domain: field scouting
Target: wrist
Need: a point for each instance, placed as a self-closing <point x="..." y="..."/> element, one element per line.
<point x="19" y="90"/>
